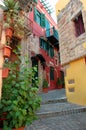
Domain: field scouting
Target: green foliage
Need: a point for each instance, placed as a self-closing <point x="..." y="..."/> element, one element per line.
<point x="45" y="83"/>
<point x="59" y="81"/>
<point x="19" y="99"/>
<point x="10" y="5"/>
<point x="14" y="18"/>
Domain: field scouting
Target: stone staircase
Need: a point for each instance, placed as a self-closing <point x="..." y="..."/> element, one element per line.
<point x="58" y="114"/>
<point x="57" y="107"/>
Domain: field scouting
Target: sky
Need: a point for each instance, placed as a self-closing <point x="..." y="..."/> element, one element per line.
<point x="52" y="3"/>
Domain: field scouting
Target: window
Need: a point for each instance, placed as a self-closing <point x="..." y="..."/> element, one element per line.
<point x="43" y="44"/>
<point x="51" y="73"/>
<point x="51" y="51"/>
<point x="39" y="18"/>
<point x="79" y="25"/>
<point x="59" y="57"/>
<point x="47" y="47"/>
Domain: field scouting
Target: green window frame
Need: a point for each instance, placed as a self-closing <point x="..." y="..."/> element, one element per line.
<point x="43" y="44"/>
<point x="48" y="48"/>
<point x="51" y="51"/>
<point x="39" y="18"/>
<point x="35" y="1"/>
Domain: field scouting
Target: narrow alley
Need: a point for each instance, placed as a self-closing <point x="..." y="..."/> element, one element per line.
<point x="57" y="114"/>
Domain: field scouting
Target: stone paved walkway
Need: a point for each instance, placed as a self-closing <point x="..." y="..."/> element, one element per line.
<point x="59" y="93"/>
<point x="73" y="121"/>
<point x="68" y="122"/>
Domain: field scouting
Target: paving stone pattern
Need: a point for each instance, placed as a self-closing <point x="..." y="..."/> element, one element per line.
<point x="65" y="121"/>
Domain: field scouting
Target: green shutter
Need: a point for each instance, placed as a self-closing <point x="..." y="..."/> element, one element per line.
<point x="51" y="51"/>
<point x="41" y="43"/>
<point x="35" y="1"/>
<point x="51" y="73"/>
<point x="43" y="20"/>
<point x="47" y="24"/>
<point x="48" y="49"/>
<point x="45" y="45"/>
<point x="35" y="14"/>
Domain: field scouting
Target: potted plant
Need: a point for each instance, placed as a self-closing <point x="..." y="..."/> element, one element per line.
<point x="5" y="69"/>
<point x="59" y="83"/>
<point x="45" y="85"/>
<point x="6" y="51"/>
<point x="19" y="27"/>
<point x="12" y="21"/>
<point x="5" y="72"/>
<point x="19" y="99"/>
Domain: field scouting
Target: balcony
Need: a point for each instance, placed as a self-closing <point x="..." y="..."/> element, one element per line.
<point x="22" y="26"/>
<point x="52" y="36"/>
<point x="28" y="26"/>
<point x="27" y="5"/>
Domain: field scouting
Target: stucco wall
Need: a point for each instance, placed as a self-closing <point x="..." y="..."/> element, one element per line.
<point x="60" y="5"/>
<point x="76" y="82"/>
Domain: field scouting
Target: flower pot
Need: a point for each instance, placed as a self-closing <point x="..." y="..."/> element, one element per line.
<point x="9" y="32"/>
<point x="3" y="116"/>
<point x="59" y="87"/>
<point x="7" y="51"/>
<point x="2" y="119"/>
<point x="45" y="90"/>
<point x="22" y="128"/>
<point x="5" y="72"/>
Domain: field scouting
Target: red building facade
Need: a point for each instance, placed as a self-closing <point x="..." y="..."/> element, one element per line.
<point x="44" y="46"/>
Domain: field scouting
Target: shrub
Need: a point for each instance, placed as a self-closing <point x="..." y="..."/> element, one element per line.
<point x="19" y="99"/>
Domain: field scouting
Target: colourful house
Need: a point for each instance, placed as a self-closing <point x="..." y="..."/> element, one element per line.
<point x="71" y="17"/>
<point x="45" y="45"/>
<point x="40" y="43"/>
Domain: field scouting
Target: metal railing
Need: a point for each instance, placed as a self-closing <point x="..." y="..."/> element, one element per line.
<point x="52" y="31"/>
<point x="28" y="25"/>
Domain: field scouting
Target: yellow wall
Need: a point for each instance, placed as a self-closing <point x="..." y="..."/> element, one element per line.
<point x="76" y="71"/>
<point x="84" y="4"/>
<point x="60" y="5"/>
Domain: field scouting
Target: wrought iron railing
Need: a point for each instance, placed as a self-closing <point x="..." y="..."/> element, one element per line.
<point x="28" y="25"/>
<point x="52" y="32"/>
<point x="23" y="25"/>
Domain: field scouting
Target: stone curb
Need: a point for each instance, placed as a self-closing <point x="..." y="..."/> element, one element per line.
<point x="59" y="113"/>
<point x="57" y="100"/>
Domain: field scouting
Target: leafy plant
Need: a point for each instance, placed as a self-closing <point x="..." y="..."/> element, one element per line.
<point x="19" y="99"/>
<point x="45" y="83"/>
<point x="59" y="81"/>
<point x="14" y="19"/>
<point x="10" y="6"/>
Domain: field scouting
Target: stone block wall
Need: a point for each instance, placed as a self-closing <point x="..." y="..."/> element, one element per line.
<point x="34" y="44"/>
<point x="71" y="47"/>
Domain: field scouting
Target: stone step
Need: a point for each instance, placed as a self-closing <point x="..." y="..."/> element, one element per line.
<point x="67" y="122"/>
<point x="57" y="109"/>
<point x="56" y="100"/>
